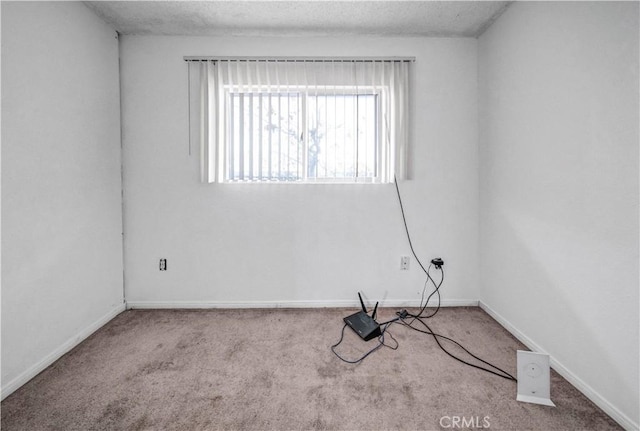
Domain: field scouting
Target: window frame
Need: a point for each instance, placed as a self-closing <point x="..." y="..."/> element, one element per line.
<point x="303" y="94"/>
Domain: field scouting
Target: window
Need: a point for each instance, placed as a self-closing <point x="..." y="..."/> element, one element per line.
<point x="302" y="137"/>
<point x="301" y="121"/>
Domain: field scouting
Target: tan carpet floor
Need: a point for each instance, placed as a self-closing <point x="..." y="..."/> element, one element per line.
<point x="273" y="370"/>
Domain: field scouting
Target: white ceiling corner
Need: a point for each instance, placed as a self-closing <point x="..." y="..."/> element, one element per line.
<point x="318" y="17"/>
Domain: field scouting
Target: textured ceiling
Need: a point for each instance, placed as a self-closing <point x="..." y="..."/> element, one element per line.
<point x="251" y="18"/>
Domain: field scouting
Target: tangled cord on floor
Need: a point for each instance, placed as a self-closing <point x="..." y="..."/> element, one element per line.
<point x="407" y="319"/>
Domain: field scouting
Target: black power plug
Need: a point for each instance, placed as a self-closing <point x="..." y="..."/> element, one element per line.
<point x="437" y="262"/>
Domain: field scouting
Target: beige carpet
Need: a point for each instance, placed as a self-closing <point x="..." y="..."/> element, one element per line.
<point x="273" y="370"/>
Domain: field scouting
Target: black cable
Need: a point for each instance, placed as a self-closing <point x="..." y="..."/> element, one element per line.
<point x="406" y="229"/>
<point x="426" y="271"/>
<point x="396" y="341"/>
<point x="380" y="344"/>
<point x="501" y="373"/>
<point x="419" y="317"/>
<point x="429" y="331"/>
<point x="390" y="321"/>
<point x="436" y="291"/>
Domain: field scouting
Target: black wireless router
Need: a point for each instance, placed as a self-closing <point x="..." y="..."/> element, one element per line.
<point x="363" y="324"/>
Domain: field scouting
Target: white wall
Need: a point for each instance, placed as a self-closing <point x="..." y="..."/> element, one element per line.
<point x="558" y="85"/>
<point x="291" y="244"/>
<point x="61" y="207"/>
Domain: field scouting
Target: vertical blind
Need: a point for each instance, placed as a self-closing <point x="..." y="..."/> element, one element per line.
<point x="306" y="120"/>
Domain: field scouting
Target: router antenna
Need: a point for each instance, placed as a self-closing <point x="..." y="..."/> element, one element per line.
<point x="373" y="316"/>
<point x="362" y="303"/>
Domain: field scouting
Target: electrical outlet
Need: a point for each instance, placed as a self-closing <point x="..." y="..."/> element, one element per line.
<point x="163" y="264"/>
<point x="404" y="263"/>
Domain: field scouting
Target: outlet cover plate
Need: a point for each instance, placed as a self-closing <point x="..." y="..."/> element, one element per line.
<point x="404" y="263"/>
<point x="534" y="378"/>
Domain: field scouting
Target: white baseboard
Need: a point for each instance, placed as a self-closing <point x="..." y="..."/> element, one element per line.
<point x="339" y="303"/>
<point x="9" y="388"/>
<point x="626" y="422"/>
